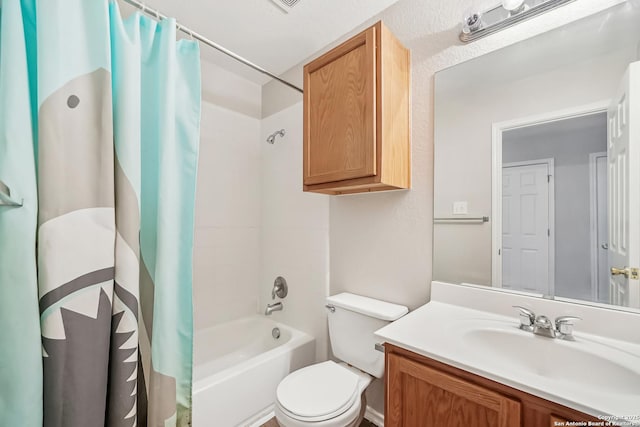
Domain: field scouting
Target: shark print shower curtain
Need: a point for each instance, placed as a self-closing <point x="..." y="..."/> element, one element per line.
<point x="115" y="110"/>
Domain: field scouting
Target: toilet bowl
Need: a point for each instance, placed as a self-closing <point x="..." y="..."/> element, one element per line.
<point x="331" y="394"/>
<point x="327" y="394"/>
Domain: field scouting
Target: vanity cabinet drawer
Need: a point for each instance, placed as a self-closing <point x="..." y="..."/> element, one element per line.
<point x="419" y="396"/>
<point x="422" y="392"/>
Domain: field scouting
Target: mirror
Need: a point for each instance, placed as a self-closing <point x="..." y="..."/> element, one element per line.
<point x="537" y="164"/>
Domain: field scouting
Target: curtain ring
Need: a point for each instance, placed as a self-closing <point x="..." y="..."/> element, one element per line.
<point x="186" y="30"/>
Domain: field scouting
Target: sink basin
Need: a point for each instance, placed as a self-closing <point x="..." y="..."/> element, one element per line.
<point x="557" y="360"/>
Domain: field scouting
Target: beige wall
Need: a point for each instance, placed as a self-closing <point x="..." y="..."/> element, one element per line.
<point x="381" y="243"/>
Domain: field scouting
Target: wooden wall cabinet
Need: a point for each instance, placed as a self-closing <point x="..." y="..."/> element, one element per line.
<point x="422" y="392"/>
<point x="356" y="116"/>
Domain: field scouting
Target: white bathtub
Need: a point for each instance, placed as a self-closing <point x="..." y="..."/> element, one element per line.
<point x="237" y="367"/>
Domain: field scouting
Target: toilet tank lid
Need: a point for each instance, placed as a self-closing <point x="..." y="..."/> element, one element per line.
<point x="368" y="306"/>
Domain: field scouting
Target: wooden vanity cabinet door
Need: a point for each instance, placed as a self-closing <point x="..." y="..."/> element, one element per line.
<point x="420" y="396"/>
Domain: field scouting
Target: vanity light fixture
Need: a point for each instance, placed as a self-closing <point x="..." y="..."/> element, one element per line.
<point x="510" y="12"/>
<point x="513" y="6"/>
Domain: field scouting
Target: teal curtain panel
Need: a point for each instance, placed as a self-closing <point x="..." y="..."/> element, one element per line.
<point x="106" y="160"/>
<point x="20" y="347"/>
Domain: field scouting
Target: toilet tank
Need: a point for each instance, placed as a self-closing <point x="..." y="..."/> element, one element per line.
<point x="351" y="328"/>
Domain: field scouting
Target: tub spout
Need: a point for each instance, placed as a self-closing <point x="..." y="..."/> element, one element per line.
<point x="273" y="307"/>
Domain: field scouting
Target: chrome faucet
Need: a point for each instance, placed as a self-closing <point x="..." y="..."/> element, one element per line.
<point x="273" y="307"/>
<point x="544" y="326"/>
<point x="561" y="328"/>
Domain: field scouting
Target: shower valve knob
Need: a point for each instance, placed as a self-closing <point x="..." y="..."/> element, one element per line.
<point x="280" y="288"/>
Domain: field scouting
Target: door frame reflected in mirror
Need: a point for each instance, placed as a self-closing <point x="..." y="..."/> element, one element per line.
<point x="497" y="131"/>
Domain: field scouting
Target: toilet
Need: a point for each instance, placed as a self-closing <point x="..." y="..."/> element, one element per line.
<point x="331" y="394"/>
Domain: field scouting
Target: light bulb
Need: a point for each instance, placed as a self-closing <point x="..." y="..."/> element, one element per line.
<point x="512" y="5"/>
<point x="472" y="22"/>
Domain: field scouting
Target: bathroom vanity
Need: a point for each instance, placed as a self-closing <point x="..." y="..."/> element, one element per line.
<point x="424" y="392"/>
<point x="463" y="359"/>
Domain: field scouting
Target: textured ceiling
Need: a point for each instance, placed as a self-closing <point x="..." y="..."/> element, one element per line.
<point x="261" y="32"/>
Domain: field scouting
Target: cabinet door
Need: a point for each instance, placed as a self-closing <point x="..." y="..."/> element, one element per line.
<point x="420" y="396"/>
<point x="340" y="112"/>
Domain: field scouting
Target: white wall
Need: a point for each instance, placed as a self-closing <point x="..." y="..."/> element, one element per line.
<point x="227" y="257"/>
<point x="229" y="90"/>
<point x="295" y="231"/>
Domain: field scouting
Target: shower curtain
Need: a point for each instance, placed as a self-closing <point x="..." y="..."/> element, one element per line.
<point x="102" y="116"/>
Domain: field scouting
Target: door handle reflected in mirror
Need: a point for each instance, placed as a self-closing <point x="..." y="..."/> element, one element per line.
<point x="626" y="272"/>
<point x="620" y="271"/>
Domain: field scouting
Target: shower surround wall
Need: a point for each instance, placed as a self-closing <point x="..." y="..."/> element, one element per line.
<point x="227" y="254"/>
<point x="295" y="231"/>
<point x="253" y="222"/>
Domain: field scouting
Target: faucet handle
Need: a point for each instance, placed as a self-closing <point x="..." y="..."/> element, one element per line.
<point x="527" y="317"/>
<point x="564" y="325"/>
<point x="280" y="288"/>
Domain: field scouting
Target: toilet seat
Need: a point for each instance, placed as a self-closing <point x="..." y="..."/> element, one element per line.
<point x="318" y="392"/>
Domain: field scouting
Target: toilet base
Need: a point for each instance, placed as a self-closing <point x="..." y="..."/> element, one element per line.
<point x="363" y="409"/>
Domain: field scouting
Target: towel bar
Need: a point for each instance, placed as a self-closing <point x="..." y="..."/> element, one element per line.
<point x="465" y="220"/>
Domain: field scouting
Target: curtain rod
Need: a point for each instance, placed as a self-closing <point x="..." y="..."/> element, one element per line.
<point x="156" y="14"/>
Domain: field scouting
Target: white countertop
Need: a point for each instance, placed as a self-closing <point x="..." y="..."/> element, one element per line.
<point x="445" y="332"/>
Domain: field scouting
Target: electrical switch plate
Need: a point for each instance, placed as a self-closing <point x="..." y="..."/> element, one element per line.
<point x="460" y="208"/>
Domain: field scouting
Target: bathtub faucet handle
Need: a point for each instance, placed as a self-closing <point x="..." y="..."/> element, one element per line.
<point x="280" y="288"/>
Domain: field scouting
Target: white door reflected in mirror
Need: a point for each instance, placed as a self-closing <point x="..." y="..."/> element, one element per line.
<point x="623" y="154"/>
<point x="527" y="211"/>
